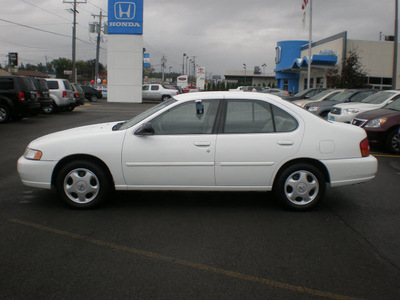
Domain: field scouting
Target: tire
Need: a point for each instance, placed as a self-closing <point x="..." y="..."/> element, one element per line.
<point x="300" y="187"/>
<point x="393" y="141"/>
<point x="83" y="184"/>
<point x="4" y="113"/>
<point x="93" y="98"/>
<point x="165" y="98"/>
<point x="49" y="109"/>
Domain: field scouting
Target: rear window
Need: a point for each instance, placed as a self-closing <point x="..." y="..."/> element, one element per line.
<point x="67" y="85"/>
<point x="27" y="84"/>
<point x="52" y="84"/>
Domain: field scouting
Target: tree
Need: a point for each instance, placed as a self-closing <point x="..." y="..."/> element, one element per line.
<point x="351" y="76"/>
<point x="60" y="65"/>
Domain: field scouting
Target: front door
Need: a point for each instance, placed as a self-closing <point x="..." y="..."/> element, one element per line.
<point x="180" y="153"/>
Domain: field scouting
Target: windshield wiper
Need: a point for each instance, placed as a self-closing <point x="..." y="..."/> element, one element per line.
<point x="118" y="126"/>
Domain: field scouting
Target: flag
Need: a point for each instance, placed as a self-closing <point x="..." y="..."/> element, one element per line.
<point x="303" y="7"/>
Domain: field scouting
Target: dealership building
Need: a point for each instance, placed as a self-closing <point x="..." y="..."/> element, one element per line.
<point x="376" y="58"/>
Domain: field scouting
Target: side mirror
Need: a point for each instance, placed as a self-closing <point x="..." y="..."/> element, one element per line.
<point x="145" y="129"/>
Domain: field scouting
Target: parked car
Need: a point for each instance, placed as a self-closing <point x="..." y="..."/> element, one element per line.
<point x="61" y="94"/>
<point x="189" y="89"/>
<point x="323" y="107"/>
<point x="157" y="92"/>
<point x="18" y="98"/>
<point x="79" y="94"/>
<point x="275" y="91"/>
<point x="213" y="141"/>
<point x="304" y="94"/>
<point x="42" y="92"/>
<point x="382" y="126"/>
<point x="345" y="112"/>
<point x="327" y="94"/>
<point x="91" y="93"/>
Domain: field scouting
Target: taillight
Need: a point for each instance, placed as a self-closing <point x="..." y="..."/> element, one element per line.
<point x="64" y="94"/>
<point x="21" y="96"/>
<point x="38" y="95"/>
<point x="364" y="147"/>
<point x="76" y="95"/>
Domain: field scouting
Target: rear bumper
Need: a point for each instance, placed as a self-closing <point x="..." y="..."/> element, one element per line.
<point x="351" y="171"/>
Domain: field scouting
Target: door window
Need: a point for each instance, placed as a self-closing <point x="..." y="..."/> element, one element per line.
<point x="195" y="117"/>
<point x="247" y="116"/>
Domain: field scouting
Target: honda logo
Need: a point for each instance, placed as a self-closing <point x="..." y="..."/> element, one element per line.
<point x="124" y="10"/>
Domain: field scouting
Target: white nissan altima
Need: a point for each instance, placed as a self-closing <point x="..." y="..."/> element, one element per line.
<point x="216" y="141"/>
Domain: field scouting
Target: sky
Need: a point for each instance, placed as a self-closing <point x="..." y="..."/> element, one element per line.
<point x="221" y="34"/>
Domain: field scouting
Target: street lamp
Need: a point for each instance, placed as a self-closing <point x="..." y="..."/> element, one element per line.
<point x="263" y="66"/>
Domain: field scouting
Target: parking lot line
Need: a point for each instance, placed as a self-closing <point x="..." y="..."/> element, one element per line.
<point x="186" y="263"/>
<point x="385" y="155"/>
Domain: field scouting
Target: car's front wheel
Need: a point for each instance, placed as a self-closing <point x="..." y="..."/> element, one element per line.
<point x="393" y="141"/>
<point x="300" y="186"/>
<point x="83" y="184"/>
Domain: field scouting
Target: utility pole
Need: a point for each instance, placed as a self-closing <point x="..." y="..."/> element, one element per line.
<point x="163" y="62"/>
<point x="98" y="31"/>
<point x="74" y="11"/>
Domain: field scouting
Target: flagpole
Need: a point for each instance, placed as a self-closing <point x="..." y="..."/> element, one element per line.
<point x="309" y="45"/>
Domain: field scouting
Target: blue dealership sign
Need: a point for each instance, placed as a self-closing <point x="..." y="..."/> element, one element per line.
<point x="125" y="17"/>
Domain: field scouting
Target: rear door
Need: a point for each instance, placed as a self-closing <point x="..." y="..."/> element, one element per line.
<point x="256" y="137"/>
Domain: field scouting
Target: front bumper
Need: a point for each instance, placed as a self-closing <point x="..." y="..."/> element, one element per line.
<point x="35" y="173"/>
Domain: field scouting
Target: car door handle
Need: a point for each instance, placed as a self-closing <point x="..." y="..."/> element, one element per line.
<point x="202" y="144"/>
<point x="285" y="143"/>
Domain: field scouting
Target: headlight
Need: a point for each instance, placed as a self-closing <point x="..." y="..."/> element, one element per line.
<point x="313" y="108"/>
<point x="33" y="154"/>
<point x="351" y="111"/>
<point x="376" y="123"/>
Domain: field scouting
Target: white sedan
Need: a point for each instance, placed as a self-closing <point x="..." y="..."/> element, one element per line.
<point x="346" y="112"/>
<point x="212" y="141"/>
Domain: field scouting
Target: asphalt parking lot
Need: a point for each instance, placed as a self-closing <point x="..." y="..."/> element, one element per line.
<point x="190" y="245"/>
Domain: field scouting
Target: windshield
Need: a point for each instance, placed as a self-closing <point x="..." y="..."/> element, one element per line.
<point x="378" y="98"/>
<point x="343" y="96"/>
<point x="146" y="114"/>
<point x="395" y="105"/>
<point x="321" y="95"/>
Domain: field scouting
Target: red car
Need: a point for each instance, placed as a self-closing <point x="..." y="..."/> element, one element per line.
<point x="189" y="88"/>
<point x="382" y="126"/>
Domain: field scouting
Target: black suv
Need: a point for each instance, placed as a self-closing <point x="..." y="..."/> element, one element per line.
<point x="18" y="98"/>
<point x="43" y="92"/>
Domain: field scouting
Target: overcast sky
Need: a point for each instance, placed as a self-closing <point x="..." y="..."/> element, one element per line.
<point x="221" y="34"/>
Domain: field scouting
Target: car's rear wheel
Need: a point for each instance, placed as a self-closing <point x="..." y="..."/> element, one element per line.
<point x="165" y="98"/>
<point x="393" y="141"/>
<point x="300" y="186"/>
<point x="83" y="184"/>
<point x="4" y="113"/>
<point x="49" y="109"/>
<point x="93" y="98"/>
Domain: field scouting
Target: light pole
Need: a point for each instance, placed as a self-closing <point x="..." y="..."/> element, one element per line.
<point x="183" y="64"/>
<point x="245" y="75"/>
<point x="187" y="57"/>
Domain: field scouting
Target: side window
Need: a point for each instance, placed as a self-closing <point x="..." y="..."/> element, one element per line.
<point x="187" y="118"/>
<point x="53" y="85"/>
<point x="145" y="88"/>
<point x="284" y="122"/>
<point x="246" y="116"/>
<point x="6" y="84"/>
<point x="154" y="87"/>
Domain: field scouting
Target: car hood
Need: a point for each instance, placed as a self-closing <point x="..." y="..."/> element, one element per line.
<point x="360" y="105"/>
<point x="323" y="103"/>
<point x="378" y="113"/>
<point x="89" y="139"/>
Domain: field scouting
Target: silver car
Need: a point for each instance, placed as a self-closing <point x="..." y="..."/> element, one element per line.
<point x="61" y="94"/>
